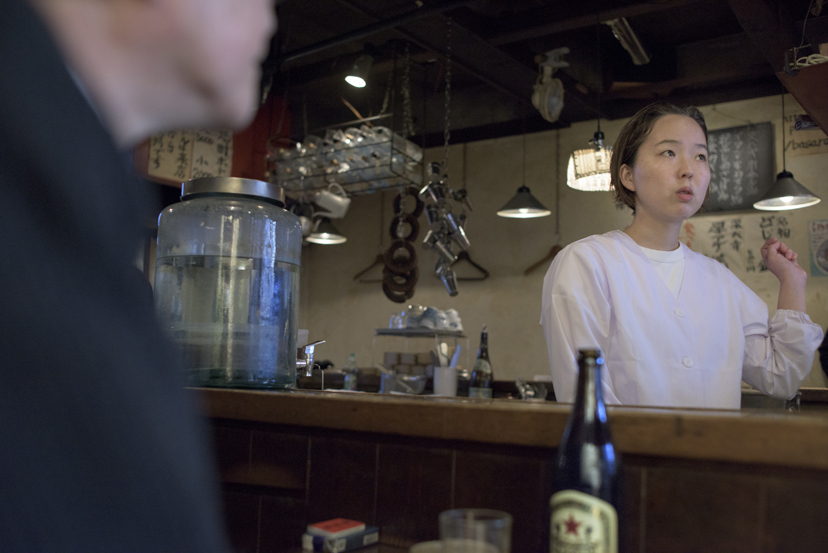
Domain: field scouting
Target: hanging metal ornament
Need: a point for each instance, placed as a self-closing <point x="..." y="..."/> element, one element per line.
<point x="444" y="207"/>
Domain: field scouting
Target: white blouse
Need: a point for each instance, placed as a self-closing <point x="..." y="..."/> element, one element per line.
<point x="687" y="351"/>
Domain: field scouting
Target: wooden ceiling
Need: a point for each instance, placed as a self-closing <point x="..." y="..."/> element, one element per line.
<point x="702" y="52"/>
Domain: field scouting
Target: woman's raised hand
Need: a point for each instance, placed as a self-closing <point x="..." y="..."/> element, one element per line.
<point x="781" y="261"/>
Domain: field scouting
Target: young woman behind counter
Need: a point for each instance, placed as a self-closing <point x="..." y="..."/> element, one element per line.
<point x="676" y="328"/>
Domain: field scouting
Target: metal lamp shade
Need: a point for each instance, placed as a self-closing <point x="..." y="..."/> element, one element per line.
<point x="786" y="194"/>
<point x="523" y="205"/>
<point x="358" y="75"/>
<point x="326" y="233"/>
<point x="589" y="170"/>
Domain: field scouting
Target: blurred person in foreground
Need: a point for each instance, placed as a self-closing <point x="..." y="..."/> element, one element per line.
<point x="101" y="449"/>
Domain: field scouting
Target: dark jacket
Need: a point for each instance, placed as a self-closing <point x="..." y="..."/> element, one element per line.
<point x="101" y="448"/>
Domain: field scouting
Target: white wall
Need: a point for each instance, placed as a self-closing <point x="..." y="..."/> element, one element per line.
<point x="345" y="313"/>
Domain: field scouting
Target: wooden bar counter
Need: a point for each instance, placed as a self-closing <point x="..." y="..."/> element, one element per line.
<point x="694" y="480"/>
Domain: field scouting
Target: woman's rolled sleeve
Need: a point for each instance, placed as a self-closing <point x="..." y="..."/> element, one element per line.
<point x="779" y="355"/>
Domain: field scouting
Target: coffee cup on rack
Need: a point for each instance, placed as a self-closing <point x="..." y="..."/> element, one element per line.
<point x="334" y="201"/>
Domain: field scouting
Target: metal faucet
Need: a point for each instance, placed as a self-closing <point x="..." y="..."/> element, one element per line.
<point x="304" y="357"/>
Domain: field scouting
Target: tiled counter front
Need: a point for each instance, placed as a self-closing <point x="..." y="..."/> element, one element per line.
<point x="729" y="482"/>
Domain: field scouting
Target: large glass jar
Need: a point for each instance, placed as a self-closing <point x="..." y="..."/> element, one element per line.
<point x="227" y="282"/>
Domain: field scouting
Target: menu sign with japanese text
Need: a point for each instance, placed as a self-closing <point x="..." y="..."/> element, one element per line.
<point x="184" y="155"/>
<point x="735" y="240"/>
<point x="818" y="241"/>
<point x="741" y="166"/>
<point x="170" y="155"/>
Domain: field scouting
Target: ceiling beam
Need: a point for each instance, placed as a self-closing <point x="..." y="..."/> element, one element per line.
<point x="372" y="29"/>
<point x="574" y="15"/>
<point x="470" y="53"/>
<point x="740" y="90"/>
<point x="703" y="64"/>
<point x="769" y="26"/>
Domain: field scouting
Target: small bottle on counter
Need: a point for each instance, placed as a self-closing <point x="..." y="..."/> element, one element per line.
<point x="350" y="370"/>
<point x="480" y="384"/>
<point x="584" y="507"/>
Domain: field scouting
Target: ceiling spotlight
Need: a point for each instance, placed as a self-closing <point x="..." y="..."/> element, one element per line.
<point x="358" y="75"/>
<point x="326" y="233"/>
<point x="629" y="40"/>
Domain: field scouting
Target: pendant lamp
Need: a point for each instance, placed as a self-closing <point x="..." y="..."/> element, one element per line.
<point x="326" y="233"/>
<point x="589" y="169"/>
<point x="786" y="193"/>
<point x="523" y="204"/>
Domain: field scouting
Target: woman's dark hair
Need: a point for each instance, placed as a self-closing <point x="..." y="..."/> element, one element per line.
<point x="633" y="135"/>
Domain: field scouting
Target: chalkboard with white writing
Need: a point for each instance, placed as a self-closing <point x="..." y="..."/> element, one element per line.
<point x="741" y="166"/>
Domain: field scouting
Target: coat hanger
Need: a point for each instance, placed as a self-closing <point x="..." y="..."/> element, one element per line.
<point x="379" y="260"/>
<point x="549" y="257"/>
<point x="464" y="256"/>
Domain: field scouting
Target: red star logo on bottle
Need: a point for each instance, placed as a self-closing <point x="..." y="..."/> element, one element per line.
<point x="572" y="526"/>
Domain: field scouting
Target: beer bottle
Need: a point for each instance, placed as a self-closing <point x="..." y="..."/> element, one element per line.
<point x="480" y="384"/>
<point x="585" y="504"/>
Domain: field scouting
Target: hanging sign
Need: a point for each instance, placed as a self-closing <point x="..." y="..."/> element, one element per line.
<point x="803" y="141"/>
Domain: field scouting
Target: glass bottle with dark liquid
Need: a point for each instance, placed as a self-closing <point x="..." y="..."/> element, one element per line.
<point x="480" y="384"/>
<point x="587" y="498"/>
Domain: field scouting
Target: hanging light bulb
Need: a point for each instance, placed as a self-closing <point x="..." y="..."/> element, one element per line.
<point x="358" y="75"/>
<point x="325" y="232"/>
<point x="589" y="169"/>
<point x="786" y="193"/>
<point x="523" y="204"/>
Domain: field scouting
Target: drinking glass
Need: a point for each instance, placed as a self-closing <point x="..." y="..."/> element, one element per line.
<point x="483" y="525"/>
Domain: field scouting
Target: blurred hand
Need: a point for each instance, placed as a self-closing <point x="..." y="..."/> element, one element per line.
<point x="781" y="261"/>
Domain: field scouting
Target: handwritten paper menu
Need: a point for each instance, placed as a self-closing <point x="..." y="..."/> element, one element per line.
<point x="170" y="155"/>
<point x="818" y="241"/>
<point x="212" y="153"/>
<point x="735" y="240"/>
<point x="183" y="155"/>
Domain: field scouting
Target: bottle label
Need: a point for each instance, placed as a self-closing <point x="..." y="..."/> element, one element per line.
<point x="480" y="392"/>
<point x="582" y="523"/>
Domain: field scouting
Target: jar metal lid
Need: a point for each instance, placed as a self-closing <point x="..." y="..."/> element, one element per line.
<point x="234" y="186"/>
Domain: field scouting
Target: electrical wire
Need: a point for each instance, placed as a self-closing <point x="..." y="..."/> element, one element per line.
<point x="813" y="59"/>
<point x="804" y="26"/>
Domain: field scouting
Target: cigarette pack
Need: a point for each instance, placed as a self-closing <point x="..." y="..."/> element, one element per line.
<point x="335" y="528"/>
